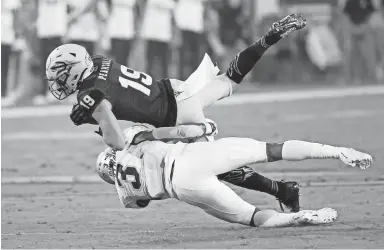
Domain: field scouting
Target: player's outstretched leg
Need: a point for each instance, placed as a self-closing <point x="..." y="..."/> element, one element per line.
<point x="286" y="193"/>
<point x="246" y="59"/>
<point x="223" y="85"/>
<point x="195" y="183"/>
<point x="295" y="150"/>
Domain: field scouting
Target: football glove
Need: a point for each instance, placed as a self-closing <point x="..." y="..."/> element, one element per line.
<point x="82" y="111"/>
<point x="79" y="115"/>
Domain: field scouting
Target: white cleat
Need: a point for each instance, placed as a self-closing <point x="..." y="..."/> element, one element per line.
<point x="313" y="217"/>
<point x="355" y="158"/>
<point x="319" y="217"/>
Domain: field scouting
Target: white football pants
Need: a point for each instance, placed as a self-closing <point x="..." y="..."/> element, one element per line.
<point x="203" y="88"/>
<point x="194" y="178"/>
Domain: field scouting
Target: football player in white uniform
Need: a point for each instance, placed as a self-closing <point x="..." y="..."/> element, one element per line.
<point x="149" y="168"/>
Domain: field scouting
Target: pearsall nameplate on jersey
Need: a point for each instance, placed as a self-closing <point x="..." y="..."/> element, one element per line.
<point x="104" y="70"/>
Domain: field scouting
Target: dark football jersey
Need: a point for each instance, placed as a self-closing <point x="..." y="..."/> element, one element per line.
<point x="134" y="95"/>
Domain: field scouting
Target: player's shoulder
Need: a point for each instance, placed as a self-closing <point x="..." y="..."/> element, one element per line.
<point x="94" y="81"/>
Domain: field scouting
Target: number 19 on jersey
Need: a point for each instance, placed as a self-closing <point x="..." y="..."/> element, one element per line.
<point x="134" y="79"/>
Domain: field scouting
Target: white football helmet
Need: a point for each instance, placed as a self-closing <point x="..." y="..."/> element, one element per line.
<point x="104" y="165"/>
<point x="66" y="67"/>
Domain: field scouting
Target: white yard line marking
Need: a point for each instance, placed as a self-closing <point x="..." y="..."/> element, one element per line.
<point x="61" y="196"/>
<point x="97" y="179"/>
<point x="47" y="136"/>
<point x="25" y="112"/>
<point x="51" y="179"/>
<point x="20" y="233"/>
<point x="297" y="95"/>
<point x="287" y="118"/>
<point x="237" y="99"/>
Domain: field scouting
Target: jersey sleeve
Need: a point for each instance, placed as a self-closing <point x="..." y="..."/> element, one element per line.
<point x="89" y="99"/>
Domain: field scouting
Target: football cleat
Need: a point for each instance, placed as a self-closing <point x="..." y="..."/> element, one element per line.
<point x="321" y="216"/>
<point x="287" y="25"/>
<point x="355" y="158"/>
<point x="289" y="196"/>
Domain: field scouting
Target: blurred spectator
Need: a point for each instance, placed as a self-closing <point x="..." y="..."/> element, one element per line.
<point x="377" y="22"/>
<point x="51" y="27"/>
<point x="189" y="17"/>
<point x="86" y="22"/>
<point x="157" y="31"/>
<point x="121" y="28"/>
<point x="25" y="57"/>
<point x="228" y="29"/>
<point x="322" y="46"/>
<point x="8" y="13"/>
<point x="359" y="42"/>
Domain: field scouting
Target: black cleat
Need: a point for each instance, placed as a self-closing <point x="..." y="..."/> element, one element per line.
<point x="289" y="196"/>
<point x="287" y="25"/>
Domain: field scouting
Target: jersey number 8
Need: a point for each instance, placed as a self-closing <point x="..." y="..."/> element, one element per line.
<point x="137" y="80"/>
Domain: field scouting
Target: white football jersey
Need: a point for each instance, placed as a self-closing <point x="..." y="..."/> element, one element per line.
<point x="142" y="171"/>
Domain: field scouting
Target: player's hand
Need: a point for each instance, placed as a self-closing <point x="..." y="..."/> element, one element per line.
<point x="79" y="115"/>
<point x="212" y="128"/>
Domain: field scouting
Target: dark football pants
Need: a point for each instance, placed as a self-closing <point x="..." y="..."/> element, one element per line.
<point x="47" y="45"/>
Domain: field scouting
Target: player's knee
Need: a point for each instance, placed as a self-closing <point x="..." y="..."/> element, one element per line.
<point x="274" y="151"/>
<point x="261" y="216"/>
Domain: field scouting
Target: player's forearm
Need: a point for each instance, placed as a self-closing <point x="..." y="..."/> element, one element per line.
<point x="112" y="134"/>
<point x="181" y="132"/>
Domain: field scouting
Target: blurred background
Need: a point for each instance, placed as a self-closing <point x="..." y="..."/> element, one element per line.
<point x="342" y="44"/>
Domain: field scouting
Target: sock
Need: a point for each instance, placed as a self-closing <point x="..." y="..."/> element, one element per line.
<point x="271" y="218"/>
<point x="246" y="60"/>
<point x="301" y="150"/>
<point x="246" y="177"/>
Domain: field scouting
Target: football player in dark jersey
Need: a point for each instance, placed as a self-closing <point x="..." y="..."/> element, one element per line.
<point x="108" y="92"/>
